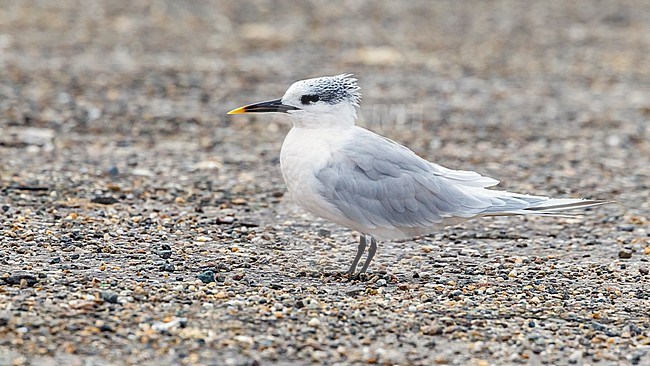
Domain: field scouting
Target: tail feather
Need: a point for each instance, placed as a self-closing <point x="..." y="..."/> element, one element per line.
<point x="563" y="204"/>
<point x="532" y="213"/>
<point x="544" y="206"/>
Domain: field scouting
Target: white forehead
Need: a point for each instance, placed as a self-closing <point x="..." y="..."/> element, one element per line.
<point x="330" y="89"/>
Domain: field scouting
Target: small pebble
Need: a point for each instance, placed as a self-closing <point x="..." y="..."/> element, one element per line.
<point x="628" y="228"/>
<point x="225" y="220"/>
<point x="109" y="296"/>
<point x="104" y="200"/>
<point x="113" y="171"/>
<point x="625" y="254"/>
<point x="106" y="328"/>
<point x="4" y="318"/>
<point x="206" y="277"/>
<point x="167" y="267"/>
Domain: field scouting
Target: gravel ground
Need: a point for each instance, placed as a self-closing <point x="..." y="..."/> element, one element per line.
<point x="141" y="225"/>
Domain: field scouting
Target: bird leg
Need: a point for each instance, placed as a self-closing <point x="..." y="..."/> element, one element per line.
<point x="360" y="249"/>
<point x="371" y="253"/>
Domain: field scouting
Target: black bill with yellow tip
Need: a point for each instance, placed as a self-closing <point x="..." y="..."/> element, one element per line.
<point x="264" y="107"/>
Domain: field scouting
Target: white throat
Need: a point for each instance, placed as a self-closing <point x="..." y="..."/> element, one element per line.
<point x="338" y="116"/>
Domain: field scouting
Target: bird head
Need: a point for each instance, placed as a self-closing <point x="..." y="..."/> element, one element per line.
<point x="323" y="102"/>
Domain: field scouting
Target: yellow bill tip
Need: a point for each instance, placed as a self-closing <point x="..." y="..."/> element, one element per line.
<point x="240" y="110"/>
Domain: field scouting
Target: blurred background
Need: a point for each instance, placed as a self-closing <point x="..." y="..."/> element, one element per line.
<point x="564" y="82"/>
<point x="114" y="112"/>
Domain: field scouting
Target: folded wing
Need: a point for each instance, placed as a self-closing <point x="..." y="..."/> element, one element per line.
<point x="379" y="183"/>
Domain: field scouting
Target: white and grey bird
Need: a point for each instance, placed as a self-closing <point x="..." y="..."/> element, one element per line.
<point x="363" y="181"/>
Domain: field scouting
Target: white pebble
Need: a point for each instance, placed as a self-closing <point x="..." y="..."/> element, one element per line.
<point x="314" y="322"/>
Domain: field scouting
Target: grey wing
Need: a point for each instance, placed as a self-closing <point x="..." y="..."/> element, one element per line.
<point x="379" y="183"/>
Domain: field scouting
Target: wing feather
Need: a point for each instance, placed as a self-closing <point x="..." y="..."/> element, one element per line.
<point x="379" y="183"/>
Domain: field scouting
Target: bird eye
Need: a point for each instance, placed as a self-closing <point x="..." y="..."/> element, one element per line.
<point x="309" y="98"/>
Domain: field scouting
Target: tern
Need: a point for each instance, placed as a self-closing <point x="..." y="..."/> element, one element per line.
<point x="366" y="182"/>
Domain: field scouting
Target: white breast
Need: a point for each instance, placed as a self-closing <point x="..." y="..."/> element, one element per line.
<point x="304" y="153"/>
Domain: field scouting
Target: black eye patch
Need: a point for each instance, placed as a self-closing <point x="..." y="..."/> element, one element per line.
<point x="309" y="98"/>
